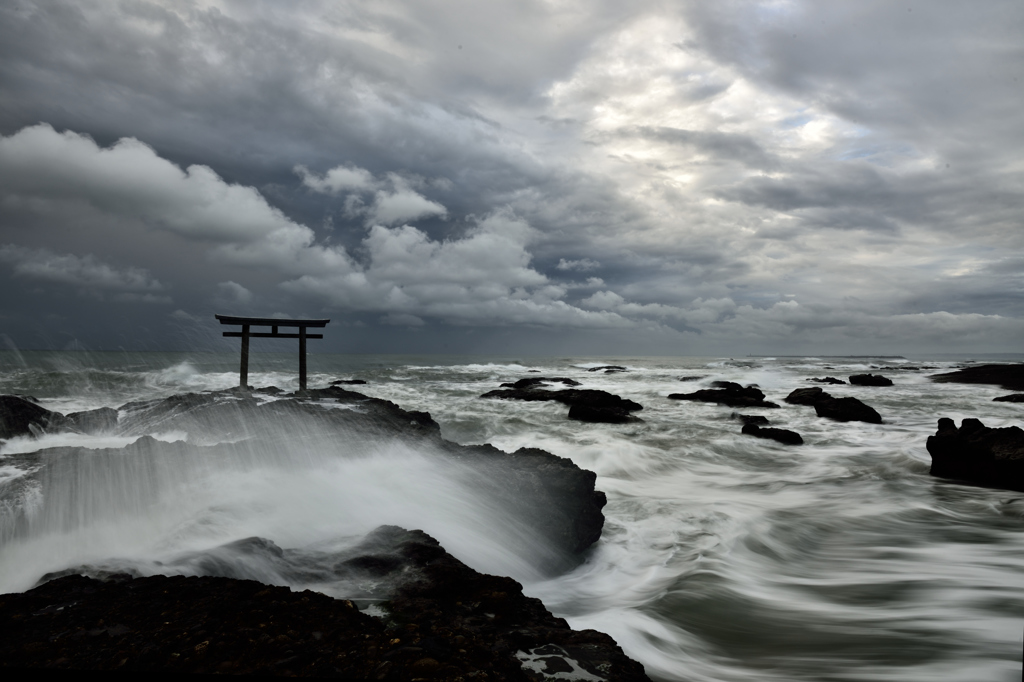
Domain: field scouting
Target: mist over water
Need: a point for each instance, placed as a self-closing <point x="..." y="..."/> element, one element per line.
<point x="723" y="557"/>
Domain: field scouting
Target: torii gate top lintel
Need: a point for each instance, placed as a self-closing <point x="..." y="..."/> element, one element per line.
<point x="273" y="323"/>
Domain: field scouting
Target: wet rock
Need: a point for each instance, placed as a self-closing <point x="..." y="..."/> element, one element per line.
<point x="1012" y="398"/>
<point x="870" y="380"/>
<point x="269" y="390"/>
<point x="601" y="415"/>
<point x="348" y="382"/>
<point x="693" y="378"/>
<point x="607" y="369"/>
<point x="847" y="410"/>
<point x="102" y="420"/>
<point x="827" y="380"/>
<point x="572" y="396"/>
<point x="807" y="396"/>
<point x="730" y="394"/>
<point x="978" y="454"/>
<point x="534" y="382"/>
<point x="1010" y="377"/>
<point x="781" y="435"/>
<point x="443" y="620"/>
<point x="750" y="418"/>
<point x="21" y="417"/>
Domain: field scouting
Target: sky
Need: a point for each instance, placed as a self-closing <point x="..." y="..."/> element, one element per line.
<point x="539" y="177"/>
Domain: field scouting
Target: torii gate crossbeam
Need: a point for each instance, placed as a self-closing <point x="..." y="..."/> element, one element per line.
<point x="273" y="323"/>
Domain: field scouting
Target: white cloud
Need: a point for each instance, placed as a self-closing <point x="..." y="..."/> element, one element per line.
<point x="339" y="179"/>
<point x="86" y="272"/>
<point x="232" y="293"/>
<point x="393" y="202"/>
<point x="582" y="265"/>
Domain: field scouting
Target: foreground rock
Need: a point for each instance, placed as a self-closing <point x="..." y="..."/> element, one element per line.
<point x="784" y="436"/>
<point x="727" y="393"/>
<point x="602" y="415"/>
<point x="20" y="416"/>
<point x="443" y="621"/>
<point x="1010" y="377"/>
<point x="978" y="454"/>
<point x="839" y="409"/>
<point x="1012" y="398"/>
<point x="870" y="380"/>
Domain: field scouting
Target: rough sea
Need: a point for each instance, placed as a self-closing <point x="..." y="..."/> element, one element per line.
<point x="723" y="556"/>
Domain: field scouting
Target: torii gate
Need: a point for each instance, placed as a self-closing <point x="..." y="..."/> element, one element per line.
<point x="273" y="323"/>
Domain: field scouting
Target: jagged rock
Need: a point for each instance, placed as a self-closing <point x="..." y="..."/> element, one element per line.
<point x="571" y="396"/>
<point x="847" y="410"/>
<point x="750" y="418"/>
<point x="807" y="396"/>
<point x="534" y="382"/>
<point x="827" y="380"/>
<point x="601" y="415"/>
<point x="978" y="454"/>
<point x="870" y="380"/>
<point x="607" y="369"/>
<point x="443" y="620"/>
<point x="348" y="382"/>
<point x="730" y="394"/>
<point x="782" y="435"/>
<point x="21" y="417"/>
<point x="1010" y="377"/>
<point x="101" y="420"/>
<point x="1012" y="398"/>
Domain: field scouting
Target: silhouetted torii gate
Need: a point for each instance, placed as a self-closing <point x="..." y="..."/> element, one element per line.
<point x="273" y="323"/>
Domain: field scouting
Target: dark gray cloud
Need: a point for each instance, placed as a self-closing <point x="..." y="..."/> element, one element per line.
<point x="701" y="177"/>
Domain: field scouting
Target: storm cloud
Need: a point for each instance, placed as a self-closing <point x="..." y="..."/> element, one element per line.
<point x="743" y="176"/>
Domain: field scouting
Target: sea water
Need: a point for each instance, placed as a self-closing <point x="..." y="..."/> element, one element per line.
<point x="723" y="556"/>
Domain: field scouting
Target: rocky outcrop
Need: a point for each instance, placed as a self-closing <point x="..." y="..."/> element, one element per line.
<point x="1012" y="398"/>
<point x="728" y="393"/>
<point x="102" y="420"/>
<point x="348" y="382"/>
<point x="839" y="409"/>
<point x="693" y="378"/>
<point x="781" y="435"/>
<point x="602" y="415"/>
<point x="870" y="380"/>
<point x="827" y="380"/>
<point x="22" y="417"/>
<point x="1010" y="377"/>
<point x="572" y="396"/>
<point x="442" y="620"/>
<point x="534" y="382"/>
<point x="607" y="369"/>
<point x="978" y="454"/>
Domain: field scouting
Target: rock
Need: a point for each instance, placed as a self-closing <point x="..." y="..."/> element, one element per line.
<point x="1012" y="398"/>
<point x="847" y="410"/>
<point x="607" y="369"/>
<point x="601" y="415"/>
<point x="693" y="378"/>
<point x="782" y="435"/>
<point x="750" y="418"/>
<point x="102" y="420"/>
<point x="443" y="620"/>
<point x="870" y="380"/>
<point x="730" y="394"/>
<point x="827" y="380"/>
<point x="571" y="396"/>
<point x="978" y="454"/>
<point x="807" y="396"/>
<point x="348" y="382"/>
<point x="1010" y="377"/>
<point x="21" y="417"/>
<point x="534" y="382"/>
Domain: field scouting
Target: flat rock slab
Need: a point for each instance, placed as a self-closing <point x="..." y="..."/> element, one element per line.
<point x="978" y="454"/>
<point x="1010" y="377"/>
<point x="826" y="380"/>
<point x="729" y="394"/>
<point x="570" y="396"/>
<point x="450" y="622"/>
<point x="534" y="382"/>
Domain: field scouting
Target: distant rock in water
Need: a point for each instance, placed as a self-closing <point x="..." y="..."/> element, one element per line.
<point x="602" y="415"/>
<point x="978" y="454"/>
<point x="22" y="417"/>
<point x="1010" y="377"/>
<point x="840" y="409"/>
<point x="571" y="396"/>
<point x="443" y="621"/>
<point x="807" y="396"/>
<point x="608" y="369"/>
<point x="827" y="380"/>
<point x="693" y="378"/>
<point x="730" y="394"/>
<point x="348" y="382"/>
<point x="870" y="380"/>
<point x="1012" y="398"/>
<point x="750" y="418"/>
<point x="781" y="435"/>
<point x="534" y="382"/>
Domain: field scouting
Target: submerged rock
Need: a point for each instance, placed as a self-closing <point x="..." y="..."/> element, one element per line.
<point x="729" y="394"/>
<point x="750" y="418"/>
<point x="1010" y="377"/>
<point x="442" y="620"/>
<point x="827" y="380"/>
<point x="22" y="417"/>
<point x="978" y="454"/>
<point x="781" y="435"/>
<point x="1012" y="398"/>
<point x="607" y="369"/>
<point x="870" y="380"/>
<point x="534" y="382"/>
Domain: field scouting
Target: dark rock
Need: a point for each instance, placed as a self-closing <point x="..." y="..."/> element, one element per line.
<point x="847" y="410"/>
<point x="607" y="369"/>
<point x="443" y="620"/>
<point x="807" y="396"/>
<point x="348" y="382"/>
<point x="534" y="382"/>
<point x="730" y="394"/>
<point x="782" y="435"/>
<point x="870" y="380"/>
<point x="21" y="417"/>
<point x="1010" y="377"/>
<point x="978" y="454"/>
<point x="102" y="420"/>
<point x="601" y="415"/>
<point x="694" y="378"/>
<point x="750" y="418"/>
<point x="571" y="396"/>
<point x="827" y="380"/>
<point x="269" y="390"/>
<point x="1012" y="398"/>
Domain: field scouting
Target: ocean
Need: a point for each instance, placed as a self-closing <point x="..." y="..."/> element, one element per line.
<point x="723" y="556"/>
